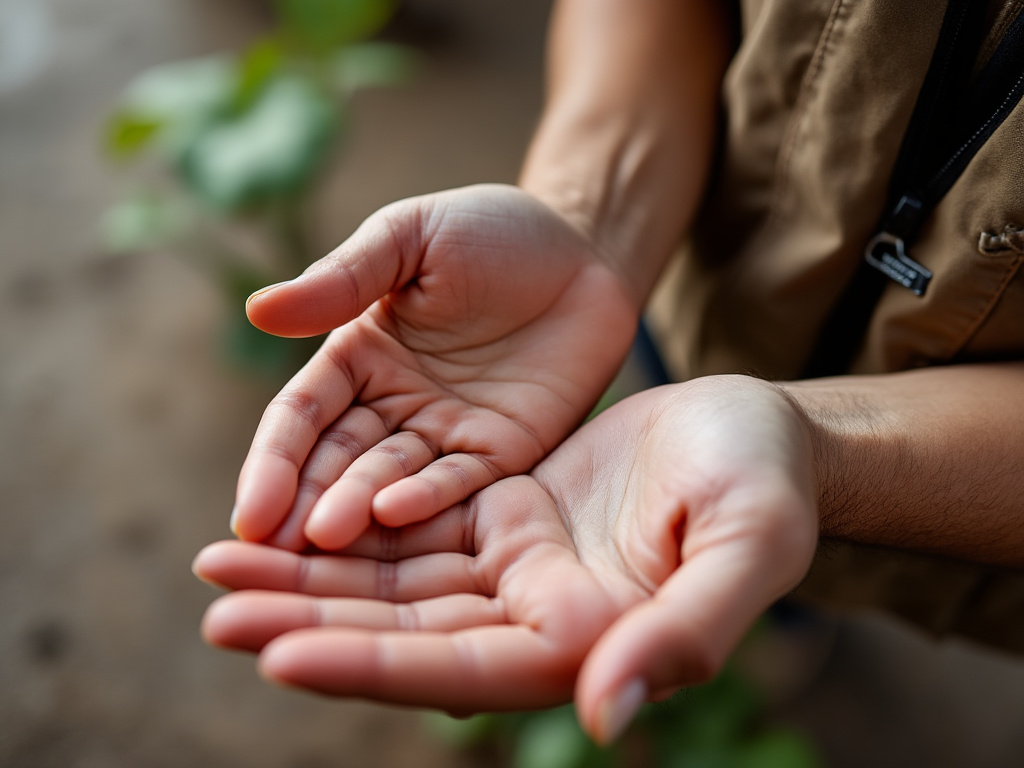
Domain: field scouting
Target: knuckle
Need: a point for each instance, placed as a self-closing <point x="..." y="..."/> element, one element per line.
<point x="407" y="617"/>
<point x="389" y="543"/>
<point x="398" y="455"/>
<point x="300" y="405"/>
<point x="387" y="580"/>
<point x="311" y="485"/>
<point x="347" y="443"/>
<point x="457" y="474"/>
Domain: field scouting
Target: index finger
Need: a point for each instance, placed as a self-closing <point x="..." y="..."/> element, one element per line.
<point x="291" y="425"/>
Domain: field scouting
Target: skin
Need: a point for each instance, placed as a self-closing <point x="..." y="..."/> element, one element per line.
<point x="476" y="328"/>
<point x="927" y="460"/>
<point x="498" y="331"/>
<point x="632" y="560"/>
<point x="391" y="548"/>
<point x="640" y="550"/>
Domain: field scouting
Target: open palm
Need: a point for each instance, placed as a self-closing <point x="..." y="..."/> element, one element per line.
<point x="630" y="563"/>
<point x="474" y="330"/>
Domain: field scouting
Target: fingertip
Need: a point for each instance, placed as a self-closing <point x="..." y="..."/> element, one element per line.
<point x="616" y="710"/>
<point x="215" y="627"/>
<point x="246" y="529"/>
<point x="338" y="660"/>
<point x="238" y="565"/>
<point x="201" y="556"/>
<point x="410" y="500"/>
<point x="277" y="660"/>
<point x="264" y="291"/>
<point x="270" y="309"/>
<point x="266" y="493"/>
<point x="302" y="658"/>
<point x="317" y="301"/>
<point x="278" y="664"/>
<point x="330" y="531"/>
<point x="267" y="670"/>
<point x="666" y="644"/>
<point x="204" y="562"/>
<point x="294" y="309"/>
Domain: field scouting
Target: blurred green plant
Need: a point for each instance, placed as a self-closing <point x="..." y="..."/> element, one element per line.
<point x="718" y="725"/>
<point x="235" y="144"/>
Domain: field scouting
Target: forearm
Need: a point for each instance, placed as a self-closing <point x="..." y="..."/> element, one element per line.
<point x="625" y="143"/>
<point x="931" y="460"/>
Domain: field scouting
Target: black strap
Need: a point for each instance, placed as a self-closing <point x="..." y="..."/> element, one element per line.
<point x="944" y="86"/>
<point x="952" y="119"/>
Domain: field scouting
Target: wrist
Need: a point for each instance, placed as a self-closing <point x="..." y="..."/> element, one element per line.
<point x="602" y="177"/>
<point x="927" y="460"/>
<point x="563" y="169"/>
<point x="625" y="143"/>
<point x="856" y="447"/>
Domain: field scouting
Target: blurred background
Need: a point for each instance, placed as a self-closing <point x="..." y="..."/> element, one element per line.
<point x="130" y="387"/>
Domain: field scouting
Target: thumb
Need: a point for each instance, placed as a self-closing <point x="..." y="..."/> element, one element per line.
<point x="684" y="634"/>
<point x="381" y="256"/>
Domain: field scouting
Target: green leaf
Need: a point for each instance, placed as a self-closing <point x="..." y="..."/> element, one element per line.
<point x="270" y="151"/>
<point x="257" y="67"/>
<point x="318" y="26"/>
<point x="168" y="106"/>
<point x="142" y="222"/>
<point x="373" y="65"/>
<point x="778" y="749"/>
<point x="459" y="733"/>
<point x="127" y="134"/>
<point x="712" y="717"/>
<point x="702" y="757"/>
<point x="183" y="90"/>
<point x="553" y="739"/>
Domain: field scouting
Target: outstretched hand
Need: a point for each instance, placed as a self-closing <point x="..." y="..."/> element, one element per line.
<point x="474" y="330"/>
<point x="629" y="564"/>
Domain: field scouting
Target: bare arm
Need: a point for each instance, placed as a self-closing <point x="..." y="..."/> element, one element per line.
<point x="624" y="147"/>
<point x="416" y="401"/>
<point x="672" y="521"/>
<point x="636" y="555"/>
<point x="930" y="460"/>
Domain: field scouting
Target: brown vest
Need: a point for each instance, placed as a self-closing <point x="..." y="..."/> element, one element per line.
<point x="816" y="103"/>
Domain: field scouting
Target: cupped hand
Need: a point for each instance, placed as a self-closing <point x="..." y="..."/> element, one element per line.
<point x="628" y="565"/>
<point x="474" y="330"/>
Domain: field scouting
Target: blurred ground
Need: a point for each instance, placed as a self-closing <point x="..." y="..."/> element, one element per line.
<point x="121" y="430"/>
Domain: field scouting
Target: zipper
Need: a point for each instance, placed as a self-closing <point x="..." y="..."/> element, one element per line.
<point x="887" y="250"/>
<point x="952" y="119"/>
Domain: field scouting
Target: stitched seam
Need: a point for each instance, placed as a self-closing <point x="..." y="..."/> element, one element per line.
<point x="986" y="309"/>
<point x="1004" y="19"/>
<point x="800" y="111"/>
<point x="1013" y="95"/>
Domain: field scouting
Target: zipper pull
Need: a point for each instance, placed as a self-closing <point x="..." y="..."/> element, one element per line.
<point x="887" y="252"/>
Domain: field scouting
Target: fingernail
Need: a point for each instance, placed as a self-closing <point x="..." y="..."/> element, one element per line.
<point x="233" y="522"/>
<point x="619" y="709"/>
<point x="266" y="289"/>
